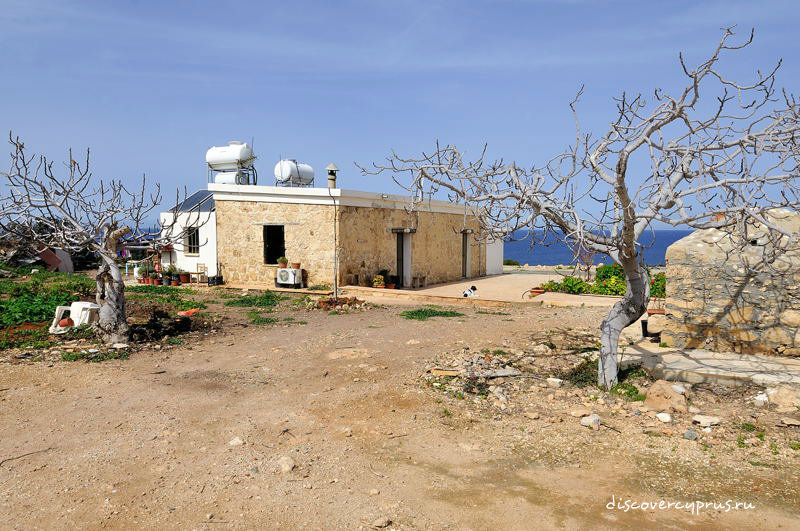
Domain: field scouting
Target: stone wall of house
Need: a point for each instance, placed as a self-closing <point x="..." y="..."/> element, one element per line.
<point x="309" y="238"/>
<point x="713" y="304"/>
<point x="368" y="244"/>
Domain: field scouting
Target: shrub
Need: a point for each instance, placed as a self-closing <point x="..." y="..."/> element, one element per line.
<point x="611" y="286"/>
<point x="658" y="285"/>
<point x="607" y="271"/>
<point x="574" y="285"/>
<point x="510" y="262"/>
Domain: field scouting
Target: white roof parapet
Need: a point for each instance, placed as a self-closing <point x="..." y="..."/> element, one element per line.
<point x="328" y="196"/>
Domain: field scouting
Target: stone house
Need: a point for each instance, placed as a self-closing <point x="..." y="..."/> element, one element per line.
<point x="361" y="232"/>
<point x="717" y="299"/>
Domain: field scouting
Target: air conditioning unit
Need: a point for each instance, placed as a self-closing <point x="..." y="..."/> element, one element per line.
<point x="289" y="278"/>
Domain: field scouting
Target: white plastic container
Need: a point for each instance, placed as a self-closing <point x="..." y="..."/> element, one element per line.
<point x="290" y="171"/>
<point x="236" y="155"/>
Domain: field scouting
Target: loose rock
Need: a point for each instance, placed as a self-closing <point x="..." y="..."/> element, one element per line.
<point x="664" y="417"/>
<point x="591" y="421"/>
<point x="554" y="382"/>
<point x="705" y="421"/>
<point x="663" y="397"/>
<point x="286" y="464"/>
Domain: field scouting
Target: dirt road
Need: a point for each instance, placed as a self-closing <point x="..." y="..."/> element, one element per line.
<point x="194" y="437"/>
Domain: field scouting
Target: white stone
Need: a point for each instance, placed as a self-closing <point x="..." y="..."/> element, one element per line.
<point x="760" y="400"/>
<point x="694" y="410"/>
<point x="554" y="382"/>
<point x="286" y="464"/>
<point x="580" y="413"/>
<point x="678" y="388"/>
<point x="664" y="417"/>
<point x="119" y="346"/>
<point x="705" y="420"/>
<point x="591" y="421"/>
<point x="236" y="441"/>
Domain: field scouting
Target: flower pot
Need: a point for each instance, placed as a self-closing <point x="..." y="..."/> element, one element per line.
<point x="174" y="283"/>
<point x="165" y="281"/>
<point x="296" y="265"/>
<point x="390" y="286"/>
<point x="656" y="311"/>
<point x="64" y="323"/>
<point x="185" y="278"/>
<point x="141" y="280"/>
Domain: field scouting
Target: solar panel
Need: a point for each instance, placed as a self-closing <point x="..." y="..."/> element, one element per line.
<point x="201" y="201"/>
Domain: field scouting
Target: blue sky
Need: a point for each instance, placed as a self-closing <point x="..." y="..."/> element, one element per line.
<point x="149" y="86"/>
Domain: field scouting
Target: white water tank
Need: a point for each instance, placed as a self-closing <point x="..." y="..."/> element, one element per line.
<point x="234" y="156"/>
<point x="289" y="171"/>
<point x="231" y="177"/>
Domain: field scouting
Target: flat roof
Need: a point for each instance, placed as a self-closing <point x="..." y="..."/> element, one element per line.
<point x="330" y="196"/>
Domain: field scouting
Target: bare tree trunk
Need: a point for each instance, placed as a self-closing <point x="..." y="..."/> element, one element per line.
<point x="623" y="314"/>
<point x="113" y="323"/>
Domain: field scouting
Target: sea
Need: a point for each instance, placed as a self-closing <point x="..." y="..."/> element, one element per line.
<point x="654" y="247"/>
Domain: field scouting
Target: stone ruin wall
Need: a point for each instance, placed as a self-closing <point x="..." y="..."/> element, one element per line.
<point x="711" y="304"/>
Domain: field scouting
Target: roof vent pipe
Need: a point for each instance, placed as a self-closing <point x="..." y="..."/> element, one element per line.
<point x="332" y="169"/>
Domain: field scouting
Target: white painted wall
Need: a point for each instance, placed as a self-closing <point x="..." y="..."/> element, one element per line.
<point x="494" y="257"/>
<point x="208" y="242"/>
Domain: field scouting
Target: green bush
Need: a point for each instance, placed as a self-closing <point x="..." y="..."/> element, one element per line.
<point x="510" y="262"/>
<point x="607" y="271"/>
<point x="658" y="285"/>
<point x="611" y="286"/>
<point x="575" y="286"/>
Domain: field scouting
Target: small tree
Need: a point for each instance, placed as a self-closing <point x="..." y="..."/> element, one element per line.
<point x="73" y="211"/>
<point x="725" y="164"/>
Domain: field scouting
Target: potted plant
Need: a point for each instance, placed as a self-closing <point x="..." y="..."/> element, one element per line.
<point x="184" y="276"/>
<point x="165" y="279"/>
<point x="378" y="281"/>
<point x="283" y="262"/>
<point x="390" y="280"/>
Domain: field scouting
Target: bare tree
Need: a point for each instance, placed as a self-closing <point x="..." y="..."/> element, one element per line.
<point x="73" y="211"/>
<point x="715" y="154"/>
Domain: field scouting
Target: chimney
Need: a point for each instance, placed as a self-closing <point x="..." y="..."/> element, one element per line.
<point x="332" y="169"/>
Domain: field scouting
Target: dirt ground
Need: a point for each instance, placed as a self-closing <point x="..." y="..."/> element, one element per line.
<point x="331" y="424"/>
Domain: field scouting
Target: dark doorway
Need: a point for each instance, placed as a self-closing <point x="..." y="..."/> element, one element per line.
<point x="464" y="257"/>
<point x="400" y="257"/>
<point x="274" y="243"/>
